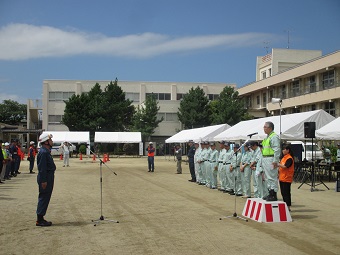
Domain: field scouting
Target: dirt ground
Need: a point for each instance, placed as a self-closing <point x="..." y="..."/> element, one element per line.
<point x="158" y="213"/>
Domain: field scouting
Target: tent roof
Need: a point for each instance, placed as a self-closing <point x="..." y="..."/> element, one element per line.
<point x="330" y="131"/>
<point x="197" y="134"/>
<point x="292" y="126"/>
<point x="117" y="137"/>
<point x="70" y="136"/>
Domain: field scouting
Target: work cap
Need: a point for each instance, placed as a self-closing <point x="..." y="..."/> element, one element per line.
<point x="226" y="143"/>
<point x="212" y="143"/>
<point x="236" y="145"/>
<point x="252" y="143"/>
<point x="44" y="137"/>
<point x="191" y="141"/>
<point x="31" y="142"/>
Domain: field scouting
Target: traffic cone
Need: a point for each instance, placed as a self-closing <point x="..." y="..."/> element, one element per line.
<point x="80" y="156"/>
<point x="108" y="158"/>
<point x="93" y="158"/>
<point x="61" y="156"/>
<point x="105" y="158"/>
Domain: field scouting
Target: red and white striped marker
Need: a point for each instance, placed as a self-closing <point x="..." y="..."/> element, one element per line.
<point x="261" y="210"/>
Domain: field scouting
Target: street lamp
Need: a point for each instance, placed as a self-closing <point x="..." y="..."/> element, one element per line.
<point x="278" y="101"/>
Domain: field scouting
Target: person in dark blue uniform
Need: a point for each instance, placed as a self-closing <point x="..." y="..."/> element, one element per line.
<point x="191" y="155"/>
<point x="45" y="178"/>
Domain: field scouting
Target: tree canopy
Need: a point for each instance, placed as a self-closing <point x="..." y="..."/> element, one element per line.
<point x="145" y="119"/>
<point x="194" y="109"/>
<point x="228" y="108"/>
<point x="96" y="110"/>
<point x="11" y="112"/>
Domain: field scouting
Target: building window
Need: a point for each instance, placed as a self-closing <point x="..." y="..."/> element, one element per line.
<point x="132" y="96"/>
<point x="264" y="74"/>
<point x="283" y="92"/>
<point x="330" y="108"/>
<point x="248" y="102"/>
<point x="160" y="96"/>
<point x="271" y="94"/>
<point x="59" y="95"/>
<point x="54" y="119"/>
<point x="257" y="100"/>
<point x="311" y="85"/>
<point x="167" y="116"/>
<point x="264" y="98"/>
<point x="179" y="96"/>
<point x="328" y="79"/>
<point x="270" y="72"/>
<point x="296" y="110"/>
<point x="295" y="88"/>
<point x="213" y="96"/>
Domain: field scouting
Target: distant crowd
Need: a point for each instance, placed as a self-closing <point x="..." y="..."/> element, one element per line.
<point x="11" y="157"/>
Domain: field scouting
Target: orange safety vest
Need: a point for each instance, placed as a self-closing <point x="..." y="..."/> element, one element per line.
<point x="20" y="153"/>
<point x="151" y="152"/>
<point x="286" y="174"/>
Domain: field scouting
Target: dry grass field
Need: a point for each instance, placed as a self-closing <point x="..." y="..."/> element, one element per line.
<point x="158" y="213"/>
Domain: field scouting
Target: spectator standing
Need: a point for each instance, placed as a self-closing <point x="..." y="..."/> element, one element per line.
<point x="178" y="154"/>
<point x="66" y="153"/>
<point x="151" y="157"/>
<point x="286" y="172"/>
<point x="31" y="156"/>
<point x="191" y="156"/>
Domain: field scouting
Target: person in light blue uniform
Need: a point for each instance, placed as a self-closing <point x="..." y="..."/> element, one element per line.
<point x="203" y="158"/>
<point x="197" y="159"/>
<point x="235" y="170"/>
<point x="213" y="160"/>
<point x="207" y="164"/>
<point x="45" y="178"/>
<point x="221" y="168"/>
<point x="227" y="162"/>
<point x="271" y="153"/>
<point x="255" y="166"/>
<point x="245" y="171"/>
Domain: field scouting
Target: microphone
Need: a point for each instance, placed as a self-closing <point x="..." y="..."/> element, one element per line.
<point x="250" y="135"/>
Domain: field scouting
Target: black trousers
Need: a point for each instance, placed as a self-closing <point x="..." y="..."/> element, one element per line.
<point x="192" y="169"/>
<point x="285" y="192"/>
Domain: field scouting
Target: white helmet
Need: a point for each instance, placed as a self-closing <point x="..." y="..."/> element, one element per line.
<point x="44" y="137"/>
<point x="150" y="143"/>
<point x="6" y="144"/>
<point x="31" y="142"/>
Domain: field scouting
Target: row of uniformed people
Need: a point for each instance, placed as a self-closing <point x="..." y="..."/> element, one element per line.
<point x="232" y="168"/>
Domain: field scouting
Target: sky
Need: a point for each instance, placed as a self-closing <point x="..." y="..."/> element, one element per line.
<point x="153" y="40"/>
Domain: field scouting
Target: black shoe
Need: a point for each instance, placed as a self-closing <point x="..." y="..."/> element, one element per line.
<point x="43" y="223"/>
<point x="152" y="171"/>
<point x="149" y="171"/>
<point x="232" y="193"/>
<point x="18" y="172"/>
<point x="31" y="172"/>
<point x="239" y="195"/>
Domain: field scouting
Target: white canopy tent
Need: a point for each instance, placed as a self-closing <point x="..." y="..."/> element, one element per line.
<point x="117" y="137"/>
<point x="197" y="134"/>
<point x="330" y="131"/>
<point x="292" y="126"/>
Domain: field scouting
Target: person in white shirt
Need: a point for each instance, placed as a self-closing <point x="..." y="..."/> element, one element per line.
<point x="66" y="153"/>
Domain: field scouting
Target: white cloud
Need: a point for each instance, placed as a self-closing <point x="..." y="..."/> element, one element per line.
<point x="22" y="41"/>
<point x="5" y="96"/>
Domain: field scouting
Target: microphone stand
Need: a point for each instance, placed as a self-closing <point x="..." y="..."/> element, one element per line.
<point x="234" y="215"/>
<point x="101" y="218"/>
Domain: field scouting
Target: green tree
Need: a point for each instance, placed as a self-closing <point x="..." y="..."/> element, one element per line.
<point x="106" y="110"/>
<point x="194" y="109"/>
<point x="228" y="108"/>
<point x="145" y="119"/>
<point x="11" y="112"/>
